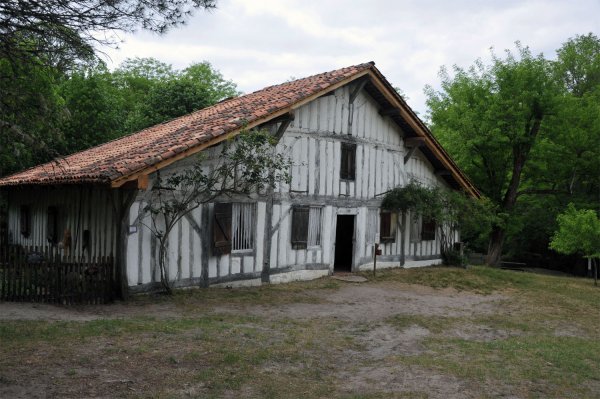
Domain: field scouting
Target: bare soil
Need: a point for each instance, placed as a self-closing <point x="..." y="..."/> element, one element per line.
<point x="344" y="341"/>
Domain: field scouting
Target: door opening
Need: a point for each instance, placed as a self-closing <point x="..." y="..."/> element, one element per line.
<point x="344" y="243"/>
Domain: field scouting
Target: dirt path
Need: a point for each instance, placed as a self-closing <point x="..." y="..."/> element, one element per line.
<point x="366" y="312"/>
<point x="353" y="302"/>
<point x="370" y="302"/>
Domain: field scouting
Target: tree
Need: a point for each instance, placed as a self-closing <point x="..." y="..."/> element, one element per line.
<point x="40" y="41"/>
<point x="490" y="118"/>
<point x="248" y="164"/>
<point x="578" y="64"/>
<point x="578" y="232"/>
<point x="452" y="211"/>
<point x="31" y="111"/>
<point x="63" y="32"/>
<point x="155" y="92"/>
<point x="95" y="109"/>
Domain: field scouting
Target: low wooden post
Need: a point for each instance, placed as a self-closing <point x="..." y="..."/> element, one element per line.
<point x="376" y="251"/>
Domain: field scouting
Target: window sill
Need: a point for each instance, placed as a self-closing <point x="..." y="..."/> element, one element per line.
<point x="242" y="251"/>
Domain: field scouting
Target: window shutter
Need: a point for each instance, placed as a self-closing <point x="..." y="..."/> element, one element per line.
<point x="351" y="162"/>
<point x="222" y="229"/>
<point x="300" y="227"/>
<point x="387" y="230"/>
<point x="415" y="228"/>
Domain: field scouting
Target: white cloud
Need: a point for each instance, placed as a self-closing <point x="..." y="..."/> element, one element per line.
<point x="259" y="43"/>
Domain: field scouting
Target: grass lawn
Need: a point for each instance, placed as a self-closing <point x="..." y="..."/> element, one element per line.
<point x="408" y="333"/>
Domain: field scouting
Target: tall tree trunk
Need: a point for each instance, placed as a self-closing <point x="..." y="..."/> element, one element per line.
<point x="520" y="155"/>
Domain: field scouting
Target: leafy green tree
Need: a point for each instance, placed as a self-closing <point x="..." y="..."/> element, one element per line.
<point x="578" y="232"/>
<point x="578" y="64"/>
<point x="452" y="211"/>
<point x="43" y="40"/>
<point x="95" y="109"/>
<point x="66" y="31"/>
<point x="31" y="111"/>
<point x="490" y="117"/>
<point x="168" y="94"/>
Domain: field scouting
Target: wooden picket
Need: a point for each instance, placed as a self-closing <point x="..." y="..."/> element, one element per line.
<point x="31" y="274"/>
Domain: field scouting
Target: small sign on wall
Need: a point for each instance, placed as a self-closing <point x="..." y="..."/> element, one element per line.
<point x="132" y="229"/>
<point x="377" y="238"/>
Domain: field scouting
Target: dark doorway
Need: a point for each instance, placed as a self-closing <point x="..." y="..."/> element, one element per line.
<point x="344" y="237"/>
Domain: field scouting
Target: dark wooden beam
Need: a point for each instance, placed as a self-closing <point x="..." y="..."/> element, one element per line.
<point x="412" y="143"/>
<point x="389" y="111"/>
<point x="359" y="86"/>
<point x="284" y="125"/>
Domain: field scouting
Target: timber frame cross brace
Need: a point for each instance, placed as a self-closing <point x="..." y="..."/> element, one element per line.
<point x="284" y="124"/>
<point x="412" y="143"/>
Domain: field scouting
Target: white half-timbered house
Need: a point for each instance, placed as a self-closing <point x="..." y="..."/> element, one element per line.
<point x="351" y="138"/>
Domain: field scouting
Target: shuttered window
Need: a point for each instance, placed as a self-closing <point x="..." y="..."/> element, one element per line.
<point x="348" y="161"/>
<point x="222" y="229"/>
<point x="233" y="227"/>
<point x="387" y="226"/>
<point x="428" y="230"/>
<point x="25" y="221"/>
<point x="306" y="227"/>
<point x="243" y="226"/>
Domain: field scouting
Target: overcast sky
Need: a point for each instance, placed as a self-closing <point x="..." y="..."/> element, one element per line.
<point x="257" y="43"/>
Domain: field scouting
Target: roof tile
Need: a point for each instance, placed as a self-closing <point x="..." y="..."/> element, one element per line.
<point x="129" y="154"/>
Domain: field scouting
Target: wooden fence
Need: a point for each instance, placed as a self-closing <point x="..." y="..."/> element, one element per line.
<point x="44" y="275"/>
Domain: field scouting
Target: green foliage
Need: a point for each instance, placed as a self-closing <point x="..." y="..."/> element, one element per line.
<point x="578" y="64"/>
<point x="578" y="232"/>
<point x="155" y="92"/>
<point x="30" y="112"/>
<point x="451" y="210"/>
<point x="95" y="112"/>
<point x="42" y="43"/>
<point x="484" y="115"/>
<point x="63" y="33"/>
<point x="413" y="197"/>
<point x="46" y="114"/>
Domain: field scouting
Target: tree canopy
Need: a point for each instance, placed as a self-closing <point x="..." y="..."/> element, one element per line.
<point x="578" y="232"/>
<point x="61" y="113"/>
<point x="527" y="131"/>
<point x="65" y="32"/>
<point x="42" y="44"/>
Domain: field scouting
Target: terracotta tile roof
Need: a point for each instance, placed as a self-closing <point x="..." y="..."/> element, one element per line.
<point x="124" y="156"/>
